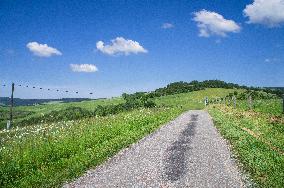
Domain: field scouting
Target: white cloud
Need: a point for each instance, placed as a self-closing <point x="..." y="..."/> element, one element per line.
<point x="83" y="68"/>
<point x="267" y="60"/>
<point x="167" y="26"/>
<point x="121" y="46"/>
<point x="212" y="23"/>
<point x="42" y="50"/>
<point x="271" y="60"/>
<point x="265" y="12"/>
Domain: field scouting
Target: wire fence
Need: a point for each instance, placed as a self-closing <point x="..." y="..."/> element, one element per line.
<point x="14" y="87"/>
<point x="44" y="89"/>
<point x="273" y="106"/>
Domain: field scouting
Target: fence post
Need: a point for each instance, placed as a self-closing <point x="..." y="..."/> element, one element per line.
<point x="250" y="102"/>
<point x="11" y="107"/>
<point x="283" y="104"/>
<point x="234" y="101"/>
<point x="206" y="101"/>
<point x="8" y="125"/>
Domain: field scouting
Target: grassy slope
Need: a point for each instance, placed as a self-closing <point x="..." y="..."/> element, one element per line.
<point x="256" y="137"/>
<point x="34" y="111"/>
<point x="47" y="155"/>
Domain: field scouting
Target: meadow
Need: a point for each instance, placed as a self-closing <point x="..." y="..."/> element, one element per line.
<point x="50" y="153"/>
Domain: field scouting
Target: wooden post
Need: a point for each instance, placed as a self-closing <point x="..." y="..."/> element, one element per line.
<point x="283" y="104"/>
<point x="8" y="125"/>
<point x="234" y="101"/>
<point x="206" y="101"/>
<point x="250" y="102"/>
<point x="12" y="104"/>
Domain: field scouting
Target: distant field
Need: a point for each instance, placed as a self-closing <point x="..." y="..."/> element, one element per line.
<point x="49" y="154"/>
<point x="257" y="137"/>
<point x="23" y="112"/>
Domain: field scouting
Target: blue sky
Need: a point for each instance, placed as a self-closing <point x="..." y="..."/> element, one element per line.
<point x="111" y="47"/>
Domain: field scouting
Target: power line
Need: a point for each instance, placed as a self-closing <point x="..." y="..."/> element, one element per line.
<point x="48" y="89"/>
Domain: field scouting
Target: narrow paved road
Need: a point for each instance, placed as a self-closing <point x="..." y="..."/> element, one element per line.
<point x="187" y="152"/>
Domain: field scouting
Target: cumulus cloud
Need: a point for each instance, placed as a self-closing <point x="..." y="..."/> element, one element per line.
<point x="167" y="26"/>
<point x="212" y="23"/>
<point x="83" y="68"/>
<point x="265" y="12"/>
<point x="121" y="46"/>
<point x="42" y="50"/>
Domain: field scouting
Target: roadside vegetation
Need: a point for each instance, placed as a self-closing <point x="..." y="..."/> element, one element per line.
<point x="48" y="154"/>
<point x="256" y="137"/>
<point x="54" y="143"/>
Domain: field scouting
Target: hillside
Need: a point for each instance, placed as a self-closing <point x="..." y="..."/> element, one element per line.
<point x="54" y="143"/>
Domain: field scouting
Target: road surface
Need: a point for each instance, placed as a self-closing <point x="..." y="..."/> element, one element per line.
<point x="186" y="152"/>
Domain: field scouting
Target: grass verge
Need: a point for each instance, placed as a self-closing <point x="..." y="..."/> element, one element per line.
<point x="256" y="140"/>
<point x="49" y="154"/>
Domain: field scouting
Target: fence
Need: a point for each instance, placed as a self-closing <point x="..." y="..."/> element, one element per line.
<point x="249" y="103"/>
<point x="14" y="86"/>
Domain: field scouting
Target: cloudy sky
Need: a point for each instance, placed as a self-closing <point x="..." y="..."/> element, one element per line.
<point x="110" y="47"/>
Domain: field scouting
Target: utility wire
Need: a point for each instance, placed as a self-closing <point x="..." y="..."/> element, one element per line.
<point x="41" y="88"/>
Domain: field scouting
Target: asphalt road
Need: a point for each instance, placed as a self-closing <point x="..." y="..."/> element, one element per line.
<point x="187" y="152"/>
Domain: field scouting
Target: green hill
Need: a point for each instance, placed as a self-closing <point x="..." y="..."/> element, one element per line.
<point x="53" y="143"/>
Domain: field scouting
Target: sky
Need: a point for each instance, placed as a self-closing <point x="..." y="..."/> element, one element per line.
<point x="110" y="47"/>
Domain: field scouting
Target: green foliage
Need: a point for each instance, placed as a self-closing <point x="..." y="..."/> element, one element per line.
<point x="175" y="88"/>
<point x="132" y="101"/>
<point x="267" y="106"/>
<point x="138" y="99"/>
<point x="23" y="113"/>
<point x="255" y="94"/>
<point x="70" y="113"/>
<point x="49" y="154"/>
<point x="64" y="140"/>
<point x="257" y="139"/>
<point x="184" y="87"/>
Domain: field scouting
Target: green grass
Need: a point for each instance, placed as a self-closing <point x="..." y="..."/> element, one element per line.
<point x="257" y="138"/>
<point x="25" y="112"/>
<point x="192" y="100"/>
<point x="47" y="155"/>
<point x="272" y="107"/>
